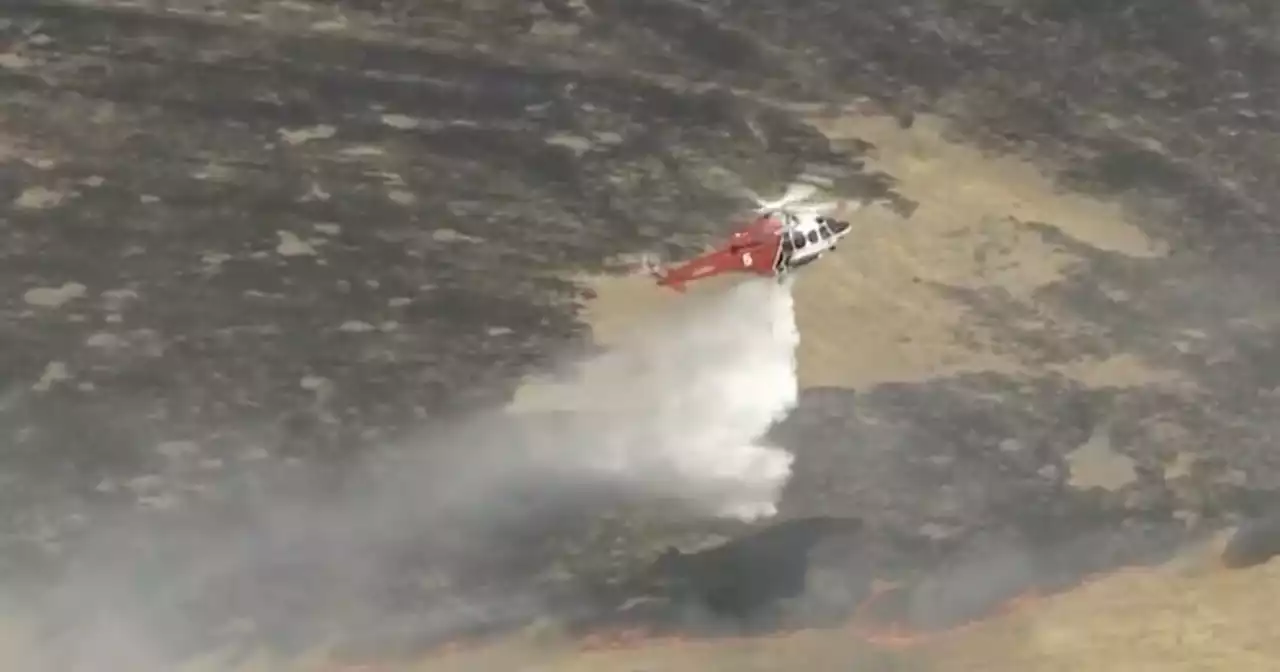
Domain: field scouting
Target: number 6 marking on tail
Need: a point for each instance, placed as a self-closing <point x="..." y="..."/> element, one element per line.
<point x="746" y="258"/>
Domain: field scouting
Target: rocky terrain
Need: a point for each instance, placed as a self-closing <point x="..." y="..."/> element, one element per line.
<point x="250" y="245"/>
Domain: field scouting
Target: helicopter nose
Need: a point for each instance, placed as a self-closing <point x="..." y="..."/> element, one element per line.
<point x="838" y="226"/>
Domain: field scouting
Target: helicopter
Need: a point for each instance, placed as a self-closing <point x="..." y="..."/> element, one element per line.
<point x="780" y="237"/>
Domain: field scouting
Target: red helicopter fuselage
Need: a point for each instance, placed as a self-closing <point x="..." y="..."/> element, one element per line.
<point x="771" y="245"/>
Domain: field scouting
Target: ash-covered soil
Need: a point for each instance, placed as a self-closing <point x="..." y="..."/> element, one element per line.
<point x="249" y="244"/>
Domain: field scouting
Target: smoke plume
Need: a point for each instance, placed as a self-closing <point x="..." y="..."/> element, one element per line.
<point x="681" y="408"/>
<point x="678" y="411"/>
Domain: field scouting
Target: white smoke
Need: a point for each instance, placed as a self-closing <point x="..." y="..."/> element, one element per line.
<point x="680" y="410"/>
<point x="683" y="406"/>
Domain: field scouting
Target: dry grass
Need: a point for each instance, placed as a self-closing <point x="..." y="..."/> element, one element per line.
<point x="1171" y="619"/>
<point x="875" y="312"/>
<point x="1187" y="616"/>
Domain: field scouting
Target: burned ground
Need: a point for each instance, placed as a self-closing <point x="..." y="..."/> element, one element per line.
<point x="249" y="243"/>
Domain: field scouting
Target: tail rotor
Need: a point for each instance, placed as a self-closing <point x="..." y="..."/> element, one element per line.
<point x="649" y="266"/>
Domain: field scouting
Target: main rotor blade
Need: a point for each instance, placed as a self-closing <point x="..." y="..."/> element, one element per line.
<point x="819" y="208"/>
<point x="796" y="192"/>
